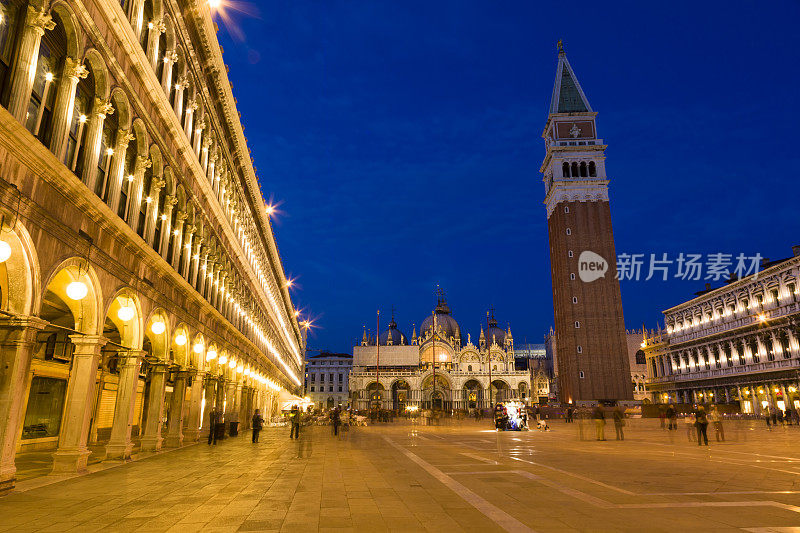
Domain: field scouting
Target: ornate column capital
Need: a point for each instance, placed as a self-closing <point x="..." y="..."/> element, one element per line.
<point x="192" y="106"/>
<point x="102" y="108"/>
<point x="74" y="69"/>
<point x="180" y="218"/>
<point x="123" y="138"/>
<point x="39" y="21"/>
<point x="158" y="26"/>
<point x="171" y="56"/>
<point x="170" y="201"/>
<point x="201" y="124"/>
<point x="158" y="183"/>
<point x="182" y="82"/>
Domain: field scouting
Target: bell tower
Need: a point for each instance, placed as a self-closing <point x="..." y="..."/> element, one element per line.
<point x="591" y="347"/>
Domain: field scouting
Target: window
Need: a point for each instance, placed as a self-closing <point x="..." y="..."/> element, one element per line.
<point x="45" y="404"/>
<point x="313" y="376"/>
<point x="592" y="169"/>
<point x="572" y="276"/>
<point x="570" y="254"/>
<point x="574" y="299"/>
<point x="569" y="231"/>
<point x="340" y="389"/>
<point x="330" y="388"/>
<point x="577" y="324"/>
<point x="340" y="377"/>
<point x="774" y="293"/>
<point x="322" y="378"/>
<point x="331" y="377"/>
<point x="580" y="374"/>
<point x="566" y="209"/>
<point x="312" y="388"/>
<point x="565" y="172"/>
<point x="580" y="349"/>
<point x="640" y="358"/>
<point x="792" y="292"/>
<point x="469" y="368"/>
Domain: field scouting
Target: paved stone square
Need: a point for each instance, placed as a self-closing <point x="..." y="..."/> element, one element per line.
<point x="459" y="476"/>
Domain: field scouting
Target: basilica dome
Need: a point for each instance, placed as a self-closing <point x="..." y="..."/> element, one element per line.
<point x="446" y="325"/>
<point x="398" y="338"/>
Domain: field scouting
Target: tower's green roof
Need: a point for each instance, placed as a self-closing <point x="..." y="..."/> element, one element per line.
<point x="568" y="97"/>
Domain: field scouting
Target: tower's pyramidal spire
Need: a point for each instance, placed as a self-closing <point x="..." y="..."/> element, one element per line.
<point x="568" y="96"/>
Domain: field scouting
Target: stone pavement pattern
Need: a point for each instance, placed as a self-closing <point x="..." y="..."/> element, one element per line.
<point x="458" y="476"/>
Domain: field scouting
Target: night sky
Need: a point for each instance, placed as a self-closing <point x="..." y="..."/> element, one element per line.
<point x="404" y="142"/>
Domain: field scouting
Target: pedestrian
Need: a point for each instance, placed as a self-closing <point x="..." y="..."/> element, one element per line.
<point x="335" y="421"/>
<point x="662" y="417"/>
<point x="212" y="426"/>
<point x="715" y="418"/>
<point x="599" y="422"/>
<point x="767" y="417"/>
<point x="294" y="418"/>
<point x="619" y="422"/>
<point x="258" y="423"/>
<point x="672" y="414"/>
<point x="569" y="415"/>
<point x="691" y="429"/>
<point x="701" y="423"/>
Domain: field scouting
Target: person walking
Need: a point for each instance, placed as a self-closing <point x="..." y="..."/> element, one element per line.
<point x="599" y="422"/>
<point x="569" y="415"/>
<point x="258" y="423"/>
<point x="294" y="418"/>
<point x="715" y="418"/>
<point x="701" y="423"/>
<point x="619" y="422"/>
<point x="212" y="426"/>
<point x="691" y="427"/>
<point x="335" y="421"/>
<point x="672" y="417"/>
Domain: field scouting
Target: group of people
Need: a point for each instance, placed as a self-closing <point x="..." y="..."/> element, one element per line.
<point x="599" y="416"/>
<point x="696" y="422"/>
<point x="216" y="425"/>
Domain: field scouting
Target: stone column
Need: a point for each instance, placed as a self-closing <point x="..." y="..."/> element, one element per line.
<point x="170" y="57"/>
<point x="186" y="251"/>
<point x="204" y="154"/>
<point x="212" y="162"/>
<point x="152" y="210"/>
<point x="72" y="454"/>
<point x="198" y="136"/>
<point x="177" y="248"/>
<point x="191" y="108"/>
<point x="230" y="400"/>
<point x="65" y="105"/>
<point x="151" y="438"/>
<point x="192" y="432"/>
<point x="117" y="168"/>
<point x="91" y="150"/>
<point x="195" y="261"/>
<point x="180" y="86"/>
<point x="175" y="430"/>
<point x="156" y="29"/>
<point x="17" y="344"/>
<point x="36" y="23"/>
<point x="166" y="225"/>
<point x="120" y="445"/>
<point x="137" y="194"/>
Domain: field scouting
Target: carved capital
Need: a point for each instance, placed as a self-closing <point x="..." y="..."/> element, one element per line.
<point x="182" y="82"/>
<point x="171" y="56"/>
<point x="192" y="106"/>
<point x="159" y="26"/>
<point x="158" y="183"/>
<point x="201" y="124"/>
<point x="180" y="218"/>
<point x="191" y="229"/>
<point x="75" y="70"/>
<point x="123" y="138"/>
<point x="144" y="162"/>
<point x="102" y="108"/>
<point x="39" y="21"/>
<point x="207" y="140"/>
<point x="170" y="201"/>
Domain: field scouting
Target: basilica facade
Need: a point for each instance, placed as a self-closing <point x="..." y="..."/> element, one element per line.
<point x="439" y="368"/>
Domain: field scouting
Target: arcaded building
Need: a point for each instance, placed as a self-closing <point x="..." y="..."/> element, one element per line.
<point x="140" y="282"/>
<point x="591" y="349"/>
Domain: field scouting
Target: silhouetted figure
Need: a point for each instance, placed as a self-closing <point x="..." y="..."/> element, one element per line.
<point x="701" y="423"/>
<point x="599" y="422"/>
<point x="336" y="421"/>
<point x="258" y="423"/>
<point x="294" y="418"/>
<point x="672" y="418"/>
<point x="569" y="415"/>
<point x="715" y="418"/>
<point x="619" y="422"/>
<point x="213" y="417"/>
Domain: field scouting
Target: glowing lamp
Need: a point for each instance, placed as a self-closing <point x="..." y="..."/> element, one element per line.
<point x="158" y="327"/>
<point x="5" y="251"/>
<point x="214" y="4"/>
<point x="82" y="119"/>
<point x="77" y="290"/>
<point x="240" y="368"/>
<point x="198" y="347"/>
<point x="48" y="76"/>
<point x="125" y="313"/>
<point x="212" y="354"/>
<point x="232" y="363"/>
<point x="223" y="359"/>
<point x="180" y="339"/>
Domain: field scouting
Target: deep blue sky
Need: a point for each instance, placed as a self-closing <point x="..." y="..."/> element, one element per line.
<point x="404" y="141"/>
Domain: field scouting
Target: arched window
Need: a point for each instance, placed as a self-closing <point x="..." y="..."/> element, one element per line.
<point x="583" y="169"/>
<point x="84" y="96"/>
<point x="753" y="345"/>
<point x="640" y="357"/>
<point x="565" y="169"/>
<point x="146" y="201"/>
<point x="740" y="352"/>
<point x="147" y="23"/>
<point x="13" y="16"/>
<point x="127" y="181"/>
<point x="162" y="48"/>
<point x="158" y="207"/>
<point x="49" y="73"/>
<point x="592" y="170"/>
<point x="107" y="142"/>
<point x="575" y="172"/>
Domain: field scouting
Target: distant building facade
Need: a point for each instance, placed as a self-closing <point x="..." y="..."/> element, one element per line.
<point x="636" y="356"/>
<point x="327" y="378"/>
<point x="737" y="344"/>
<point x="439" y="369"/>
<point x="589" y="326"/>
<point x="539" y="363"/>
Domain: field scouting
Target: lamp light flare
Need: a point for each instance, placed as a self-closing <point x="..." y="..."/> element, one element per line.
<point x="158" y="327"/>
<point x="232" y="363"/>
<point x="48" y="76"/>
<point x="5" y="251"/>
<point x="211" y="355"/>
<point x="180" y="339"/>
<point x="198" y="347"/>
<point x="223" y="359"/>
<point x="126" y="313"/>
<point x="77" y="290"/>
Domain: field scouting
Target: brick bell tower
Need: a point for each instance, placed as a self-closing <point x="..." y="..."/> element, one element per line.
<point x="591" y="348"/>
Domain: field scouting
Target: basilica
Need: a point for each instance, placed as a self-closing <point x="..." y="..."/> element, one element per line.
<point x="441" y="368"/>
